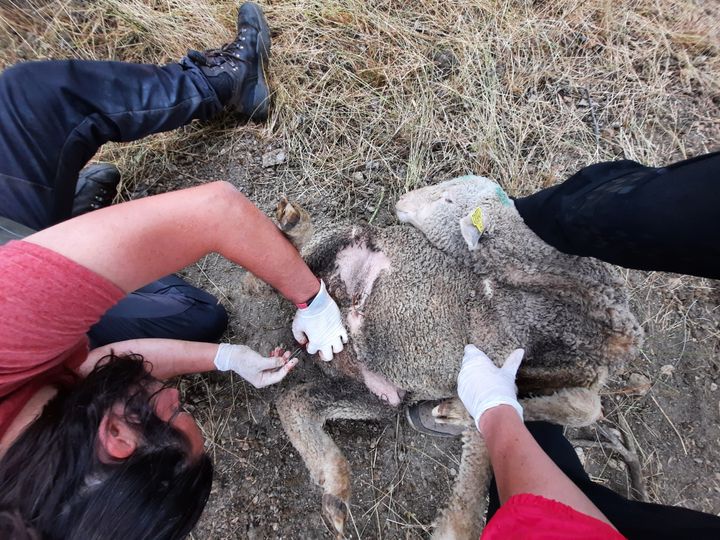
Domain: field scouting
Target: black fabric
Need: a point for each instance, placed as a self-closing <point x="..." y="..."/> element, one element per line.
<point x="54" y="116"/>
<point x="635" y="216"/>
<point x="635" y="520"/>
<point x="167" y="308"/>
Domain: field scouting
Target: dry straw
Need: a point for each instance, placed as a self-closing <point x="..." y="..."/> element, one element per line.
<point x="411" y="92"/>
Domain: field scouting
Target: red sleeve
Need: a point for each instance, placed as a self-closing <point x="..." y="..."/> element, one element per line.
<point x="47" y="305"/>
<point x="527" y="517"/>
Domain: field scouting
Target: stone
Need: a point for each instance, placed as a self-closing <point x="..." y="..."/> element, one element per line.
<point x="638" y="384"/>
<point x="273" y="158"/>
<point x="667" y="370"/>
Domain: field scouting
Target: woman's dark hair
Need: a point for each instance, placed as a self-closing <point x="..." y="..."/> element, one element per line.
<point x="52" y="480"/>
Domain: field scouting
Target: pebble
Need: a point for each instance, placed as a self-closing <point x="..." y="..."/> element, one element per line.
<point x="667" y="370"/>
<point x="639" y="384"/>
<point x="452" y="472"/>
<point x="358" y="177"/>
<point x="713" y="386"/>
<point x="273" y="158"/>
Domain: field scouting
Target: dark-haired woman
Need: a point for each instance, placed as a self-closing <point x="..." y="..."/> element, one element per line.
<point x="93" y="444"/>
<point x="112" y="455"/>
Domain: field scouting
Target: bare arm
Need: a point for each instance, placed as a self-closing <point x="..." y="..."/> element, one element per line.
<point x="521" y="466"/>
<point x="168" y="357"/>
<point x="134" y="243"/>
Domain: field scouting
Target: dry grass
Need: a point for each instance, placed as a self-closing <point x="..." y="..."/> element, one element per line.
<point x="374" y="98"/>
<point x="414" y="92"/>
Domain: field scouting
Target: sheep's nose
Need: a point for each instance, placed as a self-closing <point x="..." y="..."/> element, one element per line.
<point x="403" y="210"/>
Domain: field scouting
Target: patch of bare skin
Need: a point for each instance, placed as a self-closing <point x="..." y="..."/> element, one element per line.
<point x="359" y="266"/>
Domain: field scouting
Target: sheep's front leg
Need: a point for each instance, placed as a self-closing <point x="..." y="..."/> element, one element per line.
<point x="464" y="515"/>
<point x="303" y="411"/>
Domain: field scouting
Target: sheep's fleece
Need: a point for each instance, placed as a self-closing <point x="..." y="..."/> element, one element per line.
<point x="468" y="270"/>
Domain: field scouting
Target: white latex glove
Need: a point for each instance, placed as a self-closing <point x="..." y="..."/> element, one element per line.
<point x="253" y="367"/>
<point x="482" y="385"/>
<point x="320" y="326"/>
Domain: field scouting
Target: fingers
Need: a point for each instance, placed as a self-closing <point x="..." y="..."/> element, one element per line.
<point x="274" y="362"/>
<point x="299" y="336"/>
<point x="273" y="377"/>
<point x="327" y="352"/>
<point x="473" y="355"/>
<point x="512" y="362"/>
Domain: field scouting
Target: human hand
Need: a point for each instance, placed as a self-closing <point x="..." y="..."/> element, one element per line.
<point x="253" y="367"/>
<point x="320" y="326"/>
<point x="482" y="385"/>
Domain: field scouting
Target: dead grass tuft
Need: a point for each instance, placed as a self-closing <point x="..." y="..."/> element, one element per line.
<point x="407" y="93"/>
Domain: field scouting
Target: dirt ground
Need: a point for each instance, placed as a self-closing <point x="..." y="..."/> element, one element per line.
<point x="373" y="99"/>
<point x="666" y="402"/>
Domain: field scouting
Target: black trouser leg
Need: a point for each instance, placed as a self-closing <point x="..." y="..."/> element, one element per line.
<point x="634" y="519"/>
<point x="634" y="216"/>
<point x="167" y="308"/>
<point x="55" y="115"/>
<point x="53" y="118"/>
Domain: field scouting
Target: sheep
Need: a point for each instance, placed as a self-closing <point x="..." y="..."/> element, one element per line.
<point x="467" y="270"/>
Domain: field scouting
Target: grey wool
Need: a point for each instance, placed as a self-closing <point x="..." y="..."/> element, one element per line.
<point x="463" y="268"/>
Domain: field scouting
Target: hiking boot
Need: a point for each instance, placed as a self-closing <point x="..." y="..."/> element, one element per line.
<point x="236" y="71"/>
<point x="96" y="188"/>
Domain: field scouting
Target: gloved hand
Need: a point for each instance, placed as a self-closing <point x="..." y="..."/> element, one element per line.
<point x="320" y="326"/>
<point x="251" y="366"/>
<point x="482" y="385"/>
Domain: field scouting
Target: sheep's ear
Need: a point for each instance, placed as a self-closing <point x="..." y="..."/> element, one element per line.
<point x="472" y="227"/>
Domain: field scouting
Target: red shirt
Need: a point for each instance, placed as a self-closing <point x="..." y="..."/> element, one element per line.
<point x="531" y="517"/>
<point x="47" y="305"/>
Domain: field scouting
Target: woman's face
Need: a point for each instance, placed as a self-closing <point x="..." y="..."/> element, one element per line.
<point x="166" y="402"/>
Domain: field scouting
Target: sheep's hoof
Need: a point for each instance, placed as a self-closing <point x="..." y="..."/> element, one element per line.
<point x="451" y="411"/>
<point x="287" y="214"/>
<point x="335" y="511"/>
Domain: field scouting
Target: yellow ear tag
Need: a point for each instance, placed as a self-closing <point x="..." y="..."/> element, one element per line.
<point x="477" y="220"/>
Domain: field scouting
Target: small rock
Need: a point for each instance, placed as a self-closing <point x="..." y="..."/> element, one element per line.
<point x="713" y="386"/>
<point x="273" y="158"/>
<point x="639" y="384"/>
<point x="372" y="165"/>
<point x="583" y="103"/>
<point x="452" y="472"/>
<point x="358" y="177"/>
<point x="667" y="370"/>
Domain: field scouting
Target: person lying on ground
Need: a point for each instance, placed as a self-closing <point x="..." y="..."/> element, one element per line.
<point x="118" y="439"/>
<point x="540" y="489"/>
<point x="85" y="435"/>
<point x="55" y="115"/>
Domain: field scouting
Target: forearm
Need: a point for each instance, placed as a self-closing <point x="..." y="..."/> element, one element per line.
<point x="521" y="466"/>
<point x="166" y="357"/>
<point x="134" y="243"/>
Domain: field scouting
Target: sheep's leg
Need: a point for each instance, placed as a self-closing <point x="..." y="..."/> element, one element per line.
<point x="303" y="411"/>
<point x="463" y="517"/>
<point x="573" y="407"/>
<point x="294" y="222"/>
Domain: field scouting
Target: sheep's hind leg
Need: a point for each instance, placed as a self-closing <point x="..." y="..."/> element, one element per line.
<point x="463" y="517"/>
<point x="303" y="411"/>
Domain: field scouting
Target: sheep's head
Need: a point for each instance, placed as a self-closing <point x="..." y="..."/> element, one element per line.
<point x="455" y="215"/>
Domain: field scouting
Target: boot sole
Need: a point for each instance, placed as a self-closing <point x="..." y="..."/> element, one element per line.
<point x="261" y="92"/>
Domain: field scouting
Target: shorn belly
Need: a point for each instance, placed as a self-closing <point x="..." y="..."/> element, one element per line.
<point x="359" y="266"/>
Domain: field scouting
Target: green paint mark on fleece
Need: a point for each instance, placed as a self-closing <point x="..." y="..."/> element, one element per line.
<point x="504" y="199"/>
